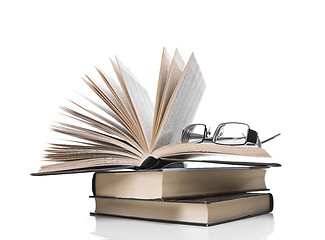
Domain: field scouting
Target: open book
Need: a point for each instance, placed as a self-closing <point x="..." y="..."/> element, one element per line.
<point x="132" y="128"/>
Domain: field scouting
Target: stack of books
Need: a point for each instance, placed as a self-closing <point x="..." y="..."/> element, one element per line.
<point x="199" y="196"/>
<point x="124" y="129"/>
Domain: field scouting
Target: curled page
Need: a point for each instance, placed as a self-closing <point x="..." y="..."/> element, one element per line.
<point x="163" y="75"/>
<point x="174" y="74"/>
<point x="116" y="92"/>
<point x="139" y="100"/>
<point x="182" y="106"/>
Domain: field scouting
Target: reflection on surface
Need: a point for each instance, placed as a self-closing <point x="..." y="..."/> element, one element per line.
<point x="119" y="228"/>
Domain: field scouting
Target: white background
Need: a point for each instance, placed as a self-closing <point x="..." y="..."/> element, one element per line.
<point x="263" y="63"/>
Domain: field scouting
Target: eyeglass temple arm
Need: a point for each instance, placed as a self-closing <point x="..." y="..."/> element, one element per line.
<point x="252" y="137"/>
<point x="276" y="135"/>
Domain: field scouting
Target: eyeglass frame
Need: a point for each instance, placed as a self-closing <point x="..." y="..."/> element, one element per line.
<point x="251" y="138"/>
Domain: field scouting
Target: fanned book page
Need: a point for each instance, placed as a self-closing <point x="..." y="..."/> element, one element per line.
<point x="182" y="105"/>
<point x="123" y="128"/>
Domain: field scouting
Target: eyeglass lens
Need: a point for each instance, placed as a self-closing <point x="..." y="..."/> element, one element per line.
<point x="194" y="133"/>
<point x="231" y="134"/>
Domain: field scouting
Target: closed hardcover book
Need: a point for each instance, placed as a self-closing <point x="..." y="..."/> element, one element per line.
<point x="178" y="183"/>
<point x="204" y="211"/>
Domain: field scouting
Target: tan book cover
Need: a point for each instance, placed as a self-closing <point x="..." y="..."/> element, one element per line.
<point x="206" y="211"/>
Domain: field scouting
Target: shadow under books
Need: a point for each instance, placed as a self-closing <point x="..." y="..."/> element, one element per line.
<point x="247" y="229"/>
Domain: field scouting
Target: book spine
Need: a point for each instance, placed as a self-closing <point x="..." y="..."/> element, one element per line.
<point x="271" y="202"/>
<point x="94" y="184"/>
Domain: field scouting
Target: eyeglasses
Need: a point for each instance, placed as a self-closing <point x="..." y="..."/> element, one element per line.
<point x="231" y="133"/>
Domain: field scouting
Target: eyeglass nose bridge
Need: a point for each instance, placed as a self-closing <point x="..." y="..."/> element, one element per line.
<point x="208" y="133"/>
